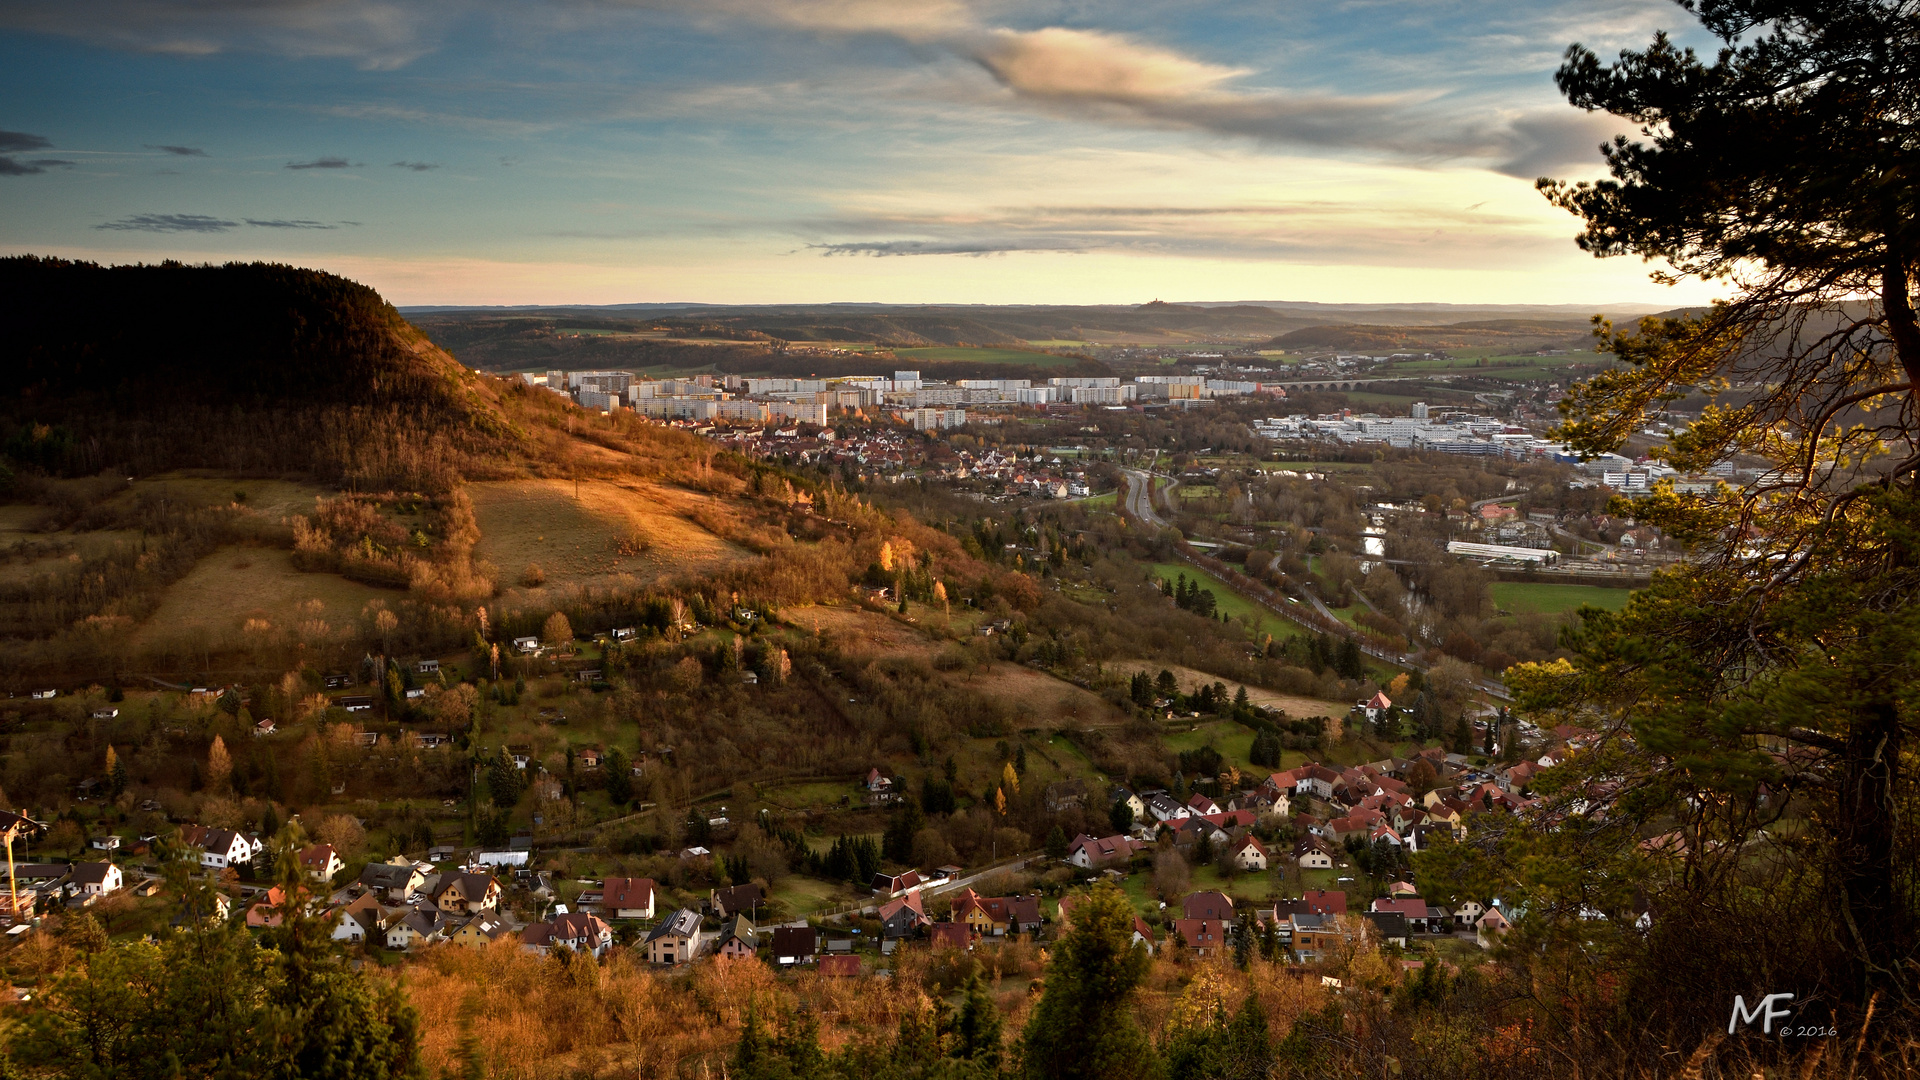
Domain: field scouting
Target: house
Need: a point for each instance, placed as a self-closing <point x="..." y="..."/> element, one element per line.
<point x="624" y="633"/>
<point x="1518" y="778"/>
<point x="355" y="703"/>
<point x="337" y="681"/>
<point x="677" y="940"/>
<point x="366" y="740"/>
<point x="265" y="727"/>
<point x="108" y="713"/>
<point x="579" y="931"/>
<point x="466" y="893"/>
<point x="1466" y="914"/>
<point x="320" y="862"/>
<point x="1316" y="780"/>
<point x="1204" y="936"/>
<point x="588" y="758"/>
<point x="892" y="885"/>
<point x="1377" y="706"/>
<point x="96" y="879"/>
<point x="1314" y="937"/>
<point x="877" y="783"/>
<point x="1126" y="795"/>
<point x="1090" y="853"/>
<point x="1250" y="854"/>
<point x="397" y="879"/>
<point x="1397" y="889"/>
<point x="950" y="935"/>
<point x="1217" y="906"/>
<point x="628" y="898"/>
<point x="480" y="931"/>
<point x="355" y="924"/>
<point x="795" y="945"/>
<point x="220" y="848"/>
<point x="109" y="842"/>
<point x="900" y="918"/>
<point x="738" y="940"/>
<point x="1325" y="901"/>
<point x="427" y="667"/>
<point x="1490" y="926"/>
<point x="1312" y="853"/>
<point x="736" y="900"/>
<point x="997" y="915"/>
<point x="526" y="644"/>
<point x="1064" y="794"/>
<point x="839" y="967"/>
<point x="1202" y="806"/>
<point x="417" y="926"/>
<point x="1420" y="919"/>
<point x="1165" y="808"/>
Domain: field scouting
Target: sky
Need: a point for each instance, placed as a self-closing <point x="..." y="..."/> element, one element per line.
<point x="810" y="151"/>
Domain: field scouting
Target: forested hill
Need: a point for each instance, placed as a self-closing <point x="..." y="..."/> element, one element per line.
<point x="246" y="366"/>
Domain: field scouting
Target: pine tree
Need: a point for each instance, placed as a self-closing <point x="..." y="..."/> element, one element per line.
<point x="976" y="1027"/>
<point x="1081" y="1028"/>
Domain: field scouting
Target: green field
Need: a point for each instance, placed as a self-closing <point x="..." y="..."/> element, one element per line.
<point x="1106" y="500"/>
<point x="1520" y="597"/>
<point x="1229" y="601"/>
<point x="961" y="354"/>
<point x="1057" y="344"/>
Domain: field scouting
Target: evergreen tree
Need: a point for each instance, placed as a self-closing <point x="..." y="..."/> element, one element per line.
<point x="1462" y="735"/>
<point x="619" y="776"/>
<point x="1056" y="844"/>
<point x="504" y="780"/>
<point x="1082" y="1028"/>
<point x="1120" y="816"/>
<point x="976" y="1027"/>
<point x="902" y="826"/>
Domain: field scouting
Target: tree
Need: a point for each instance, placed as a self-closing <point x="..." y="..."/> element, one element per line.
<point x="1081" y="1028"/>
<point x="219" y="765"/>
<point x="1783" y="168"/>
<point x="1120" y="816"/>
<point x="897" y="841"/>
<point x="558" y="632"/>
<point x="619" y="774"/>
<point x="1056" y="843"/>
<point x="1165" y="685"/>
<point x="116" y="774"/>
<point x="343" y="832"/>
<point x="504" y="780"/>
<point x="976" y="1027"/>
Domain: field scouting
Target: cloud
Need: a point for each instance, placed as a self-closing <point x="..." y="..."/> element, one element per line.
<point x="10" y="167"/>
<point x="981" y="247"/>
<point x="321" y="163"/>
<point x="180" y="151"/>
<point x="1094" y="75"/>
<point x="170" y="223"/>
<point x="375" y="34"/>
<point x="284" y="223"/>
<point x="14" y="141"/>
<point x="416" y="166"/>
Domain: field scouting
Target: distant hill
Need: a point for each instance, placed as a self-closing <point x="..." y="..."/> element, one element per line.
<point x="1522" y="335"/>
<point x="246" y="367"/>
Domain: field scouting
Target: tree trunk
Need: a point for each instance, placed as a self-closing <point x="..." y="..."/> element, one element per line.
<point x="1874" y="924"/>
<point x="1902" y="326"/>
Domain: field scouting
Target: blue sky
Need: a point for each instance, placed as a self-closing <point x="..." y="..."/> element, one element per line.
<point x="764" y="151"/>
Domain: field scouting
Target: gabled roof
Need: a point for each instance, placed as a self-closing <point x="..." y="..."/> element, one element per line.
<point x="387" y="875"/>
<point x="317" y="856"/>
<point x="628" y="893"/>
<point x="1212" y="904"/>
<point x="1253" y="842"/>
<point x="91" y="873"/>
<point x="682" y="923"/>
<point x="1323" y="901"/>
<point x="472" y="886"/>
<point x="795" y="941"/>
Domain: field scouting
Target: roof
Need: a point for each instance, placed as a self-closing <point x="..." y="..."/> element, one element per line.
<point x="741" y="928"/>
<point x="387" y="875"/>
<point x="1323" y="901"/>
<point x="951" y="935"/>
<point x="317" y="856"/>
<point x="1212" y="904"/>
<point x="794" y="941"/>
<point x="682" y="923"/>
<point x="471" y="885"/>
<point x="92" y="873"/>
<point x="738" y="896"/>
<point x="575" y="925"/>
<point x="627" y="892"/>
<point x="1379" y="701"/>
<point x="1253" y="842"/>
<point x="1104" y="847"/>
<point x="909" y="902"/>
<point x="1201" y="933"/>
<point x="840" y="966"/>
<point x="1412" y="907"/>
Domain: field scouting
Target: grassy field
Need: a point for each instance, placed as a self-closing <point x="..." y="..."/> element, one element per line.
<point x="235" y="584"/>
<point x="960" y="354"/>
<point x="1229" y="601"/>
<point x="1105" y="501"/>
<point x="1058" y="343"/>
<point x="1524" y="596"/>
<point x="609" y="529"/>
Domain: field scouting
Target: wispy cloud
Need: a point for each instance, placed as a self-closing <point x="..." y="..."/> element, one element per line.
<point x="374" y="34"/>
<point x="10" y="167"/>
<point x="321" y="163"/>
<point x="170" y="223"/>
<point x="417" y="166"/>
<point x="204" y="223"/>
<point x="179" y="151"/>
<point x="981" y="247"/>
<point x="16" y="141"/>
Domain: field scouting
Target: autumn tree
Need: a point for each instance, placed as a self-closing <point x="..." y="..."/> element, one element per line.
<point x="219" y="765"/>
<point x="558" y="632"/>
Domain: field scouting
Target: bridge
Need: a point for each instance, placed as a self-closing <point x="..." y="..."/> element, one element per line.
<point x="1336" y="383"/>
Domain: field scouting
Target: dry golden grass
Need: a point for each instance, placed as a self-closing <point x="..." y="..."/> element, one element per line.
<point x="612" y="528"/>
<point x="1291" y="704"/>
<point x="856" y="630"/>
<point x="236" y="584"/>
<point x="1037" y="697"/>
<point x="273" y="499"/>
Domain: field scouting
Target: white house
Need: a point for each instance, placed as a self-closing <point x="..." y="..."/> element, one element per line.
<point x="97" y="879"/>
<point x="320" y="862"/>
<point x="220" y="848"/>
<point x="1251" y="855"/>
<point x="628" y="898"/>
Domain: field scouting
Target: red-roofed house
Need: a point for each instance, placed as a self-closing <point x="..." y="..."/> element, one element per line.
<point x="628" y="898"/>
<point x="320" y="862"/>
<point x="1420" y="918"/>
<point x="1325" y="902"/>
<point x="1208" y="905"/>
<point x="1204" y="936"/>
<point x="1251" y="854"/>
<point x="1091" y="853"/>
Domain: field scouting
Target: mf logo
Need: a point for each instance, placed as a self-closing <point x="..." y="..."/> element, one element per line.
<point x="1766" y="1010"/>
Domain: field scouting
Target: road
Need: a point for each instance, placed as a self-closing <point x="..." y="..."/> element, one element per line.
<point x="1140" y="498"/>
